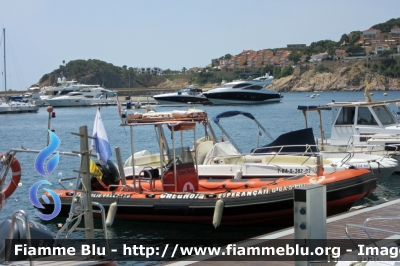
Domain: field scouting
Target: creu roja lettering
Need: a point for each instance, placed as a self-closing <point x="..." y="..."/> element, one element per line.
<point x="186" y="171"/>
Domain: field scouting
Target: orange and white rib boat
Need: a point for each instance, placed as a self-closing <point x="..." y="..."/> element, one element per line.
<point x="176" y="194"/>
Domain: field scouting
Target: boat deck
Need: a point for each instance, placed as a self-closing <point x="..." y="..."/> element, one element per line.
<point x="335" y="230"/>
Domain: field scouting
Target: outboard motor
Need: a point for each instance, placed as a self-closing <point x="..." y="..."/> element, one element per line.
<point x="110" y="177"/>
<point x="41" y="236"/>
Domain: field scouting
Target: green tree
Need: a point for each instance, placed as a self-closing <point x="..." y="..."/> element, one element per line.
<point x="295" y="57"/>
<point x="286" y="71"/>
<point x="184" y="70"/>
<point x="228" y="56"/>
<point x="344" y="39"/>
<point x="268" y="69"/>
<point x="388" y="25"/>
<point x="354" y="49"/>
<point x="321" y="68"/>
<point x="387" y="53"/>
<point x="355" y="36"/>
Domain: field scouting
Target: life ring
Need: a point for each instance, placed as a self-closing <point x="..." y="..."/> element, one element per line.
<point x="16" y="177"/>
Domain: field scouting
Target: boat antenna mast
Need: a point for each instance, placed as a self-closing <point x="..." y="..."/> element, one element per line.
<point x="367" y="86"/>
<point x="5" y="72"/>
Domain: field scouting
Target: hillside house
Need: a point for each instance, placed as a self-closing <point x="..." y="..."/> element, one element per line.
<point x="339" y="54"/>
<point x="254" y="61"/>
<point x="395" y="35"/>
<point x="372" y="36"/>
<point x="265" y="52"/>
<point x="239" y="60"/>
<point x="247" y="53"/>
<point x="381" y="47"/>
<point x="318" y="57"/>
<point x="284" y="60"/>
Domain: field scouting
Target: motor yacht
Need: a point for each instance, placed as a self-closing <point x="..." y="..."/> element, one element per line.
<point x="244" y="92"/>
<point x="88" y="97"/>
<point x="185" y="96"/>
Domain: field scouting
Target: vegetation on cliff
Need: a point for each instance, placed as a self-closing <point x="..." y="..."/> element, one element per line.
<point x="95" y="71"/>
<point x="386" y="68"/>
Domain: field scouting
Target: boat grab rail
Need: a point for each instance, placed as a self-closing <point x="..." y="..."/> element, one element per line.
<point x="150" y="172"/>
<point x="365" y="228"/>
<point x="25" y="222"/>
<point x="308" y="153"/>
<point x="15" y="151"/>
<point x="350" y="143"/>
<point x="78" y="219"/>
<point x="66" y="179"/>
<point x="307" y="148"/>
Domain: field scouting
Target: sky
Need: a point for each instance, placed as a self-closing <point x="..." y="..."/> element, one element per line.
<point x="170" y="34"/>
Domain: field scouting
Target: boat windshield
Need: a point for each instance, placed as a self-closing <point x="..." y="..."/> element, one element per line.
<point x="191" y="91"/>
<point x="254" y="87"/>
<point x="74" y="93"/>
<point x="241" y="85"/>
<point x="346" y="116"/>
<point x="384" y="115"/>
<point x="365" y="117"/>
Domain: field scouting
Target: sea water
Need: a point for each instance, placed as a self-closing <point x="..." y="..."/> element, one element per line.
<point x="29" y="131"/>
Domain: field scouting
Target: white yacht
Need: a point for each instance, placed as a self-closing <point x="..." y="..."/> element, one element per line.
<point x="244" y="92"/>
<point x="185" y="96"/>
<point x="66" y="86"/>
<point x="84" y="97"/>
<point x="13" y="107"/>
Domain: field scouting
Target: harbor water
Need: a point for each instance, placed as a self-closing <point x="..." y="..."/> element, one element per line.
<point x="29" y="131"/>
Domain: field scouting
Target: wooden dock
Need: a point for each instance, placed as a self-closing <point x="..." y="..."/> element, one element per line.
<point x="78" y="260"/>
<point x="335" y="230"/>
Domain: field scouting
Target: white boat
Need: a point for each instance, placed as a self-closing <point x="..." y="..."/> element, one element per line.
<point x="13" y="107"/>
<point x="39" y="96"/>
<point x="67" y="86"/>
<point x="302" y="142"/>
<point x="91" y="97"/>
<point x="225" y="160"/>
<point x="244" y="92"/>
<point x="185" y="96"/>
<point x="367" y="126"/>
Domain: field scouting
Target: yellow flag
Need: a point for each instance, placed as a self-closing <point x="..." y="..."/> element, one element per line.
<point x="95" y="171"/>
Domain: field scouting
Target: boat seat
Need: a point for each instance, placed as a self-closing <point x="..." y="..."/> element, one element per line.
<point x="202" y="150"/>
<point x="145" y="160"/>
<point x="234" y="159"/>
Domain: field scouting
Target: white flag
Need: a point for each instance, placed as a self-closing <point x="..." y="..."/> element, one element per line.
<point x="100" y="142"/>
